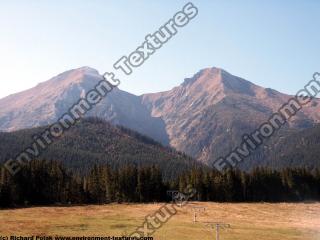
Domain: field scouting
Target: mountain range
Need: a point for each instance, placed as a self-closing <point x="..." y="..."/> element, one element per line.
<point x="204" y="117"/>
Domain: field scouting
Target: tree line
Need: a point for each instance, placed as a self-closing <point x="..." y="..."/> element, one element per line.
<point x="50" y="183"/>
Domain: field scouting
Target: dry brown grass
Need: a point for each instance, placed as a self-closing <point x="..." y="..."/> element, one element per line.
<point x="248" y="221"/>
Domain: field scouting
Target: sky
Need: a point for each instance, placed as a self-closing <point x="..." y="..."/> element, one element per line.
<point x="274" y="44"/>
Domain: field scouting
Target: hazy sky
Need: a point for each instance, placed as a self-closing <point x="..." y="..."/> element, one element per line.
<point x="271" y="43"/>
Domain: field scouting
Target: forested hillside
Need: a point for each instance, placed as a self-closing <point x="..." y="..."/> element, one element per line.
<point x="301" y="148"/>
<point x="93" y="141"/>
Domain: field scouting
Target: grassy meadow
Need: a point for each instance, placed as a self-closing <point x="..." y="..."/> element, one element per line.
<point x="248" y="221"/>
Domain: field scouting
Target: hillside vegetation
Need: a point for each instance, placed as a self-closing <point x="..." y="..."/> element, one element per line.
<point x="94" y="141"/>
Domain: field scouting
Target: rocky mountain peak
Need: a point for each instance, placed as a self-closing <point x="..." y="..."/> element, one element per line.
<point x="75" y="76"/>
<point x="213" y="80"/>
<point x="43" y="103"/>
<point x="206" y="76"/>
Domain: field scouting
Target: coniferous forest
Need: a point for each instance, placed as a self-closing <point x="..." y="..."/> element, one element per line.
<point x="97" y="163"/>
<point x="50" y="183"/>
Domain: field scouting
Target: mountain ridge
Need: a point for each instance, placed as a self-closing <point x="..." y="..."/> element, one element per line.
<point x="205" y="116"/>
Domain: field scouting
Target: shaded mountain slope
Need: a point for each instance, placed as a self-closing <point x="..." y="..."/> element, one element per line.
<point x="299" y="149"/>
<point x="94" y="141"/>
